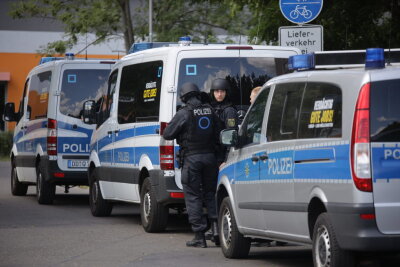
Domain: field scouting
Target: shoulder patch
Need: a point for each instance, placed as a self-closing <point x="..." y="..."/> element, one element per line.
<point x="231" y="122"/>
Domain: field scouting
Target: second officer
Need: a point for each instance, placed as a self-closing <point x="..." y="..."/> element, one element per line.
<point x="195" y="126"/>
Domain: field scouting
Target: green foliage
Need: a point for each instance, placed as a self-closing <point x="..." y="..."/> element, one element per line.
<point x="200" y="19"/>
<point x="348" y="24"/>
<point x="101" y="17"/>
<point x="6" y="142"/>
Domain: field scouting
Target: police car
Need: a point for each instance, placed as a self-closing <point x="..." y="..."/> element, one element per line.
<point x="129" y="160"/>
<point x="51" y="143"/>
<point x="316" y="161"/>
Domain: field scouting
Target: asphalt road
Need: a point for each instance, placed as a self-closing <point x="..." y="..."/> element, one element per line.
<point x="66" y="234"/>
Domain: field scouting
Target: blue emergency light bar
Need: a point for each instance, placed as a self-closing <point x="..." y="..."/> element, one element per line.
<point x="301" y="62"/>
<point x="375" y="58"/>
<point x="48" y="59"/>
<point x="184" y="40"/>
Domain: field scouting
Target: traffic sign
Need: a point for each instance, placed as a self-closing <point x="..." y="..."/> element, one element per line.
<point x="300" y="11"/>
<point x="307" y="38"/>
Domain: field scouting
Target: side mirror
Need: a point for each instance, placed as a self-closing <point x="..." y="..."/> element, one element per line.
<point x="89" y="112"/>
<point x="229" y="137"/>
<point x="9" y="112"/>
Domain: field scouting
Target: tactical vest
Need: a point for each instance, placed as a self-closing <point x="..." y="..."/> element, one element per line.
<point x="199" y="137"/>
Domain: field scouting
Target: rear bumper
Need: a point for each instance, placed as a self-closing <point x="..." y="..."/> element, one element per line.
<point x="164" y="186"/>
<point x="69" y="177"/>
<point x="354" y="233"/>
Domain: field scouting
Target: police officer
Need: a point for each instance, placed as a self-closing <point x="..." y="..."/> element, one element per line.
<point x="226" y="112"/>
<point x="196" y="130"/>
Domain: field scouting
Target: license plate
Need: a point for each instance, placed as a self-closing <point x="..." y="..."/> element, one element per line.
<point x="77" y="163"/>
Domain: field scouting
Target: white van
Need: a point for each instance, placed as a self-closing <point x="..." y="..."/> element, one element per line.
<point x="51" y="143"/>
<point x="129" y="159"/>
<point x="317" y="161"/>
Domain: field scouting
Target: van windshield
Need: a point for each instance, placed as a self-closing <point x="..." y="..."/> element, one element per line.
<point x="79" y="85"/>
<point x="385" y="111"/>
<point x="242" y="73"/>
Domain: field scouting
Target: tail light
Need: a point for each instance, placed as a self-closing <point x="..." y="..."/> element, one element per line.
<point x="166" y="151"/>
<point x="360" y="143"/>
<point x="52" y="137"/>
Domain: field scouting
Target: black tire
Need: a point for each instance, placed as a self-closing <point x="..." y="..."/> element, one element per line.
<point x="99" y="207"/>
<point x="17" y="188"/>
<point x="45" y="191"/>
<point x="326" y="251"/>
<point x="154" y="215"/>
<point x="233" y="243"/>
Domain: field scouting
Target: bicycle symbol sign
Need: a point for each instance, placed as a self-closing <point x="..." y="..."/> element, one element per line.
<point x="300" y="11"/>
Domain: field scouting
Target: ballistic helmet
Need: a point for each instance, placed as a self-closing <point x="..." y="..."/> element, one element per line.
<point x="187" y="90"/>
<point x="220" y="84"/>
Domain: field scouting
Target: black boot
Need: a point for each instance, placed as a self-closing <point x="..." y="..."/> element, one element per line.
<point x="215" y="235"/>
<point x="199" y="241"/>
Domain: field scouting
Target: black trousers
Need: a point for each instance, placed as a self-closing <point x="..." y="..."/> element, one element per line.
<point x="199" y="181"/>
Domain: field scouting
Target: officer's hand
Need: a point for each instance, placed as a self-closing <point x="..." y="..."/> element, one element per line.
<point x="222" y="165"/>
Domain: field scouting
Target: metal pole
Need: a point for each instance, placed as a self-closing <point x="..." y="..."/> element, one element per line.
<point x="150" y="20"/>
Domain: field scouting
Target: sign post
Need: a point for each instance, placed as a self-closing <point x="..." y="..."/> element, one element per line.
<point x="307" y="38"/>
<point x="300" y="11"/>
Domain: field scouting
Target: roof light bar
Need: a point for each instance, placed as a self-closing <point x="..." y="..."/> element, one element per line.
<point x="374" y="58"/>
<point x="301" y="62"/>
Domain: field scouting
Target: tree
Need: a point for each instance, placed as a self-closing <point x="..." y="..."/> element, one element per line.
<point x="104" y="18"/>
<point x="347" y="24"/>
<point x="110" y="18"/>
<point x="201" y="19"/>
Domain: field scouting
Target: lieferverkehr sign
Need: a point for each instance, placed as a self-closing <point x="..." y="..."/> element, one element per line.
<point x="307" y="38"/>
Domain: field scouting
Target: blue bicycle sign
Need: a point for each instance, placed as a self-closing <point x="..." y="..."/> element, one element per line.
<point x="300" y="11"/>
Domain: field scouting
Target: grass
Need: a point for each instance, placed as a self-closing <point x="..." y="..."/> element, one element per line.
<point x="4" y="158"/>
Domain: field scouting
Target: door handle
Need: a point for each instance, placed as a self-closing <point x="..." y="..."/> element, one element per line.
<point x="255" y="158"/>
<point x="264" y="156"/>
<point x="109" y="132"/>
<point x="116" y="131"/>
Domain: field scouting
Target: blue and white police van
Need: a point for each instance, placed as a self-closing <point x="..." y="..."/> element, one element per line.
<point x="51" y="143"/>
<point x="129" y="159"/>
<point x="317" y="161"/>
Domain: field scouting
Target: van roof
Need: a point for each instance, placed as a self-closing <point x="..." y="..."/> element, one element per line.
<point x="194" y="47"/>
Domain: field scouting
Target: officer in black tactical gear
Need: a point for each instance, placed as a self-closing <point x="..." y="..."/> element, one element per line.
<point x="195" y="126"/>
<point x="224" y="109"/>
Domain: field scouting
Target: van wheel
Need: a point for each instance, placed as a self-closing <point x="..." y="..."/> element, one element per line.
<point x="233" y="243"/>
<point x="17" y="188"/>
<point x="98" y="205"/>
<point x="45" y="191"/>
<point x="153" y="214"/>
<point x="326" y="251"/>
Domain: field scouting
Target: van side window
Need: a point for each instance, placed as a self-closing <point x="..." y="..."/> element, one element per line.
<point x="385" y="111"/>
<point x="38" y="96"/>
<point x="139" y="95"/>
<point x="106" y="100"/>
<point x="250" y="132"/>
<point x="284" y="111"/>
<point x="22" y="102"/>
<point x="321" y="111"/>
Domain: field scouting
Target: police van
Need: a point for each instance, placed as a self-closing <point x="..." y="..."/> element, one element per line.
<point x="51" y="143"/>
<point x="316" y="161"/>
<point x="129" y="159"/>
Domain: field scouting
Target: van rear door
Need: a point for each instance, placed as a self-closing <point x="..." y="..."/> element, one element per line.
<point x="79" y="82"/>
<point x="385" y="152"/>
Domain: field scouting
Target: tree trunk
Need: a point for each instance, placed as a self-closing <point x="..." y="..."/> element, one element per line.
<point x="129" y="36"/>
